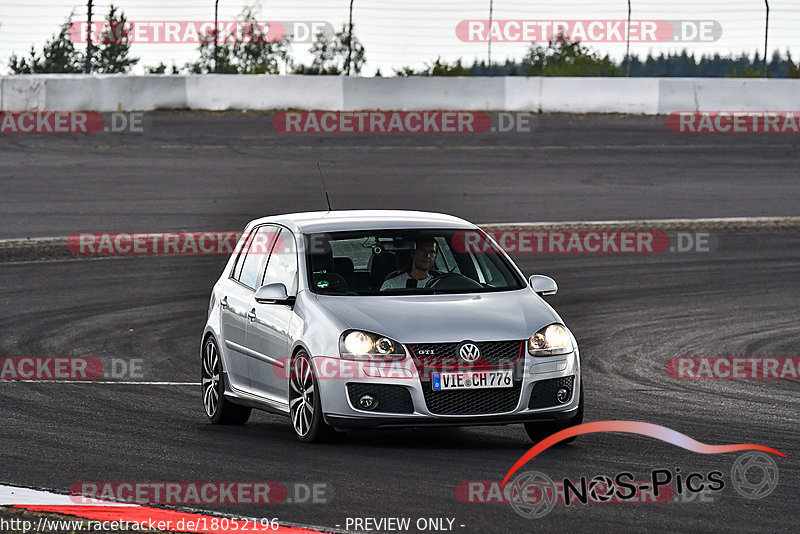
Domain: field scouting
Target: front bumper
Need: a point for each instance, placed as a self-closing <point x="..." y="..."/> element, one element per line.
<point x="340" y="411"/>
<point x="379" y="421"/>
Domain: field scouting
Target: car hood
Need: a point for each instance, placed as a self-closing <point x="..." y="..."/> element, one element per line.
<point x="438" y="318"/>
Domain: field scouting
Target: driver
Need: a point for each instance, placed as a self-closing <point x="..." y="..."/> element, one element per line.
<point x="421" y="271"/>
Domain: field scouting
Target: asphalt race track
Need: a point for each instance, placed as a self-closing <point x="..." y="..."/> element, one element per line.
<point x="217" y="171"/>
<point x="630" y="313"/>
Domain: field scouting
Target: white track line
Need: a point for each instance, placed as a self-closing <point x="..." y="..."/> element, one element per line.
<point x="633" y="222"/>
<point x="20" y="496"/>
<point x="713" y="220"/>
<point x="124" y="383"/>
<point x="12" y="495"/>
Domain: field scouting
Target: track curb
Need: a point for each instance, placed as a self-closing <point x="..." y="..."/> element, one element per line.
<point x="55" y="248"/>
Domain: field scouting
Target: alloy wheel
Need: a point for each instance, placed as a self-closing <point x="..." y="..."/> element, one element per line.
<point x="301" y="406"/>
<point x="210" y="379"/>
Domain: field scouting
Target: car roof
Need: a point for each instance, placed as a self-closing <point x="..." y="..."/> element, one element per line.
<point x="335" y="221"/>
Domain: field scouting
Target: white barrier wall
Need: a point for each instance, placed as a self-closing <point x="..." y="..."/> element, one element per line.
<point x="421" y="93"/>
<point x="54" y="92"/>
<point x="600" y="95"/>
<point x="727" y="94"/>
<point x="22" y="93"/>
<point x="219" y="92"/>
<point x="522" y="94"/>
<point x="114" y="93"/>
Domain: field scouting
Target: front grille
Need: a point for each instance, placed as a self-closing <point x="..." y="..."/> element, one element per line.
<point x="393" y="399"/>
<point x="544" y="392"/>
<point x="445" y="355"/>
<point x="471" y="402"/>
<point x="431" y="357"/>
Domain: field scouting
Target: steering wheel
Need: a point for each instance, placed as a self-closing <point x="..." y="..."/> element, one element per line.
<point x="463" y="282"/>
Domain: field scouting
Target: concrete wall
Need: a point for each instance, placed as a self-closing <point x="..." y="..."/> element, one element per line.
<point x="727" y="94"/>
<point x="54" y="92"/>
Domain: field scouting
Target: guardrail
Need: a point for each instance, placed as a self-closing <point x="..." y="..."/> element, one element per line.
<point x="216" y="92"/>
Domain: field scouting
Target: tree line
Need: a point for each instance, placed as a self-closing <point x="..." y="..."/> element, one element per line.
<point x="252" y="53"/>
<point x="562" y="57"/>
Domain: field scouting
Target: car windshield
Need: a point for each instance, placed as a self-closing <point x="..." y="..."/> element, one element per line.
<point x="385" y="262"/>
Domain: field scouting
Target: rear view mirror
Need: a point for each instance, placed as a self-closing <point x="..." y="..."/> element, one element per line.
<point x="543" y="285"/>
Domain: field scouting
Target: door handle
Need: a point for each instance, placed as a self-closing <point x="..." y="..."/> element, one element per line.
<point x="252" y="314"/>
<point x="224" y="303"/>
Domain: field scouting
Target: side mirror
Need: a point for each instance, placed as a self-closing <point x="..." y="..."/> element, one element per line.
<point x="273" y="294"/>
<point x="543" y="285"/>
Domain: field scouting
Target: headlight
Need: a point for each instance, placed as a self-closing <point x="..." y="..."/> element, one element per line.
<point x="551" y="340"/>
<point x="358" y="345"/>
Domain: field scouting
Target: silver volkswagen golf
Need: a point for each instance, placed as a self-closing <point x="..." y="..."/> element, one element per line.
<point x="361" y="319"/>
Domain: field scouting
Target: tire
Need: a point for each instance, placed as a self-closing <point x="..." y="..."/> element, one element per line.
<point x="305" y="407"/>
<point x="218" y="409"/>
<point x="538" y="431"/>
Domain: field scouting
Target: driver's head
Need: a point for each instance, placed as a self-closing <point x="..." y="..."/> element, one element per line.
<point x="425" y="253"/>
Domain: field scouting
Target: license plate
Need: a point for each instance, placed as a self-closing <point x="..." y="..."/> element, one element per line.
<point x="472" y="380"/>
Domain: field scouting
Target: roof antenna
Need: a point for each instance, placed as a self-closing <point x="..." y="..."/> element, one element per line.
<point x="324" y="188"/>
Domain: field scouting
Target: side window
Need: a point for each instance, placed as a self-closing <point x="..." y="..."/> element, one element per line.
<point x="237" y="267"/>
<point x="282" y="266"/>
<point x="257" y="252"/>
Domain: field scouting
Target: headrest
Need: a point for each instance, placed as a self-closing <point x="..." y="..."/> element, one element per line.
<point x="322" y="260"/>
<point x="343" y="265"/>
<point x="385" y="261"/>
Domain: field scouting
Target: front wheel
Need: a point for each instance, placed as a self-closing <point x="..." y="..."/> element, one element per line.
<point x="305" y="407"/>
<point x="539" y="431"/>
<point x="219" y="410"/>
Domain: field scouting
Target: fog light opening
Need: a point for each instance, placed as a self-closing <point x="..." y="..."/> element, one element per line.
<point x="367" y="402"/>
<point x="563" y="395"/>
